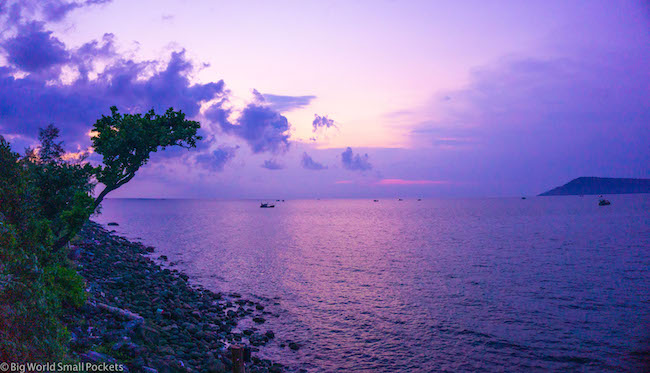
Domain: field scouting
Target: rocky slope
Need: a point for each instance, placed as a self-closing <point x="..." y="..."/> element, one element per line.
<point x="150" y="318"/>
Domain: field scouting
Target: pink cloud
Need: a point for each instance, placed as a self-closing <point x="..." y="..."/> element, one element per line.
<point x="344" y="182"/>
<point x="410" y="182"/>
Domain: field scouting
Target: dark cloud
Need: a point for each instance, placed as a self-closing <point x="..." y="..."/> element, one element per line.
<point x="47" y="10"/>
<point x="271" y="164"/>
<point x="34" y="92"/>
<point x="217" y="159"/>
<point x="34" y="49"/>
<point x="57" y="10"/>
<point x="355" y="162"/>
<point x="322" y="122"/>
<point x="308" y="163"/>
<point x="286" y="103"/>
<point x="30" y="102"/>
<point x="264" y="129"/>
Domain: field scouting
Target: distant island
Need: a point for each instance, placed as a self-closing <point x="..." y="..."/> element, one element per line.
<point x="600" y="185"/>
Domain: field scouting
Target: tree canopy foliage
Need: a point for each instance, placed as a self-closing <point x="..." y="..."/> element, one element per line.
<point x="126" y="142"/>
<point x="45" y="199"/>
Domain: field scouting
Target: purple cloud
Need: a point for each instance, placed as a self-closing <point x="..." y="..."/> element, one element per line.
<point x="217" y="159"/>
<point x="34" y="50"/>
<point x="271" y="164"/>
<point x="39" y="96"/>
<point x="308" y="163"/>
<point x="264" y="129"/>
<point x="27" y="103"/>
<point x="287" y="103"/>
<point x="355" y="162"/>
<point x="49" y="10"/>
<point x="322" y="122"/>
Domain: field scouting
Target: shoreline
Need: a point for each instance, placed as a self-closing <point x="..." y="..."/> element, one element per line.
<point x="150" y="318"/>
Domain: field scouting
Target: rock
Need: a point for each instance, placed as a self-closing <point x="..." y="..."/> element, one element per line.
<point x="148" y="334"/>
<point x="177" y="314"/>
<point x="126" y="348"/>
<point x="258" y="339"/>
<point x="95" y="357"/>
<point x="294" y="346"/>
<point x="112" y="224"/>
<point x="180" y="322"/>
<point x="215" y="366"/>
<point x="125" y="314"/>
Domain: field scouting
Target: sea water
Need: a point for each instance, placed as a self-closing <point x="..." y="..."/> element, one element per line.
<point x="499" y="284"/>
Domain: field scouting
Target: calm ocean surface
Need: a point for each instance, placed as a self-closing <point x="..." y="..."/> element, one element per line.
<point x="547" y="283"/>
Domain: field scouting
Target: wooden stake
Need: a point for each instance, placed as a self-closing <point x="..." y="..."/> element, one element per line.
<point x="237" y="359"/>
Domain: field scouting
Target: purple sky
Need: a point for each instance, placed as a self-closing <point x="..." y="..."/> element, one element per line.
<point x="343" y="99"/>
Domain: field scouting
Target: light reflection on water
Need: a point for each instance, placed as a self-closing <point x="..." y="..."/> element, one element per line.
<point x="490" y="284"/>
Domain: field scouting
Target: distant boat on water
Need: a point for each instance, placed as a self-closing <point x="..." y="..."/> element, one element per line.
<point x="604" y="202"/>
<point x="400" y="199"/>
<point x="375" y="200"/>
<point x="266" y="205"/>
<point x="419" y="199"/>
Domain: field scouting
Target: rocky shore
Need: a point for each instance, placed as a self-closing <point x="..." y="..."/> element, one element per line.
<point x="150" y="318"/>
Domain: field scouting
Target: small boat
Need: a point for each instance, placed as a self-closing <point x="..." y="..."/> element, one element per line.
<point x="604" y="202"/>
<point x="419" y="199"/>
<point x="375" y="200"/>
<point x="400" y="199"/>
<point x="523" y="197"/>
<point x="266" y="205"/>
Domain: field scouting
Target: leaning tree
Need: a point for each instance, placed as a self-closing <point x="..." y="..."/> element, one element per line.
<point x="126" y="141"/>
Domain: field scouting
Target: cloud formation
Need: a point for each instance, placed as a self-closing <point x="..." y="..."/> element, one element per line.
<point x="355" y="162"/>
<point x="217" y="159"/>
<point x="308" y="163"/>
<point x="271" y="164"/>
<point x="262" y="127"/>
<point x="34" y="49"/>
<point x="35" y="92"/>
<point x="287" y="103"/>
<point x="322" y="122"/>
<point x="48" y="10"/>
<point x="30" y="102"/>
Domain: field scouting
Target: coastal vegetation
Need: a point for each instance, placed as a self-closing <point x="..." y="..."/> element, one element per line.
<point x="46" y="197"/>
